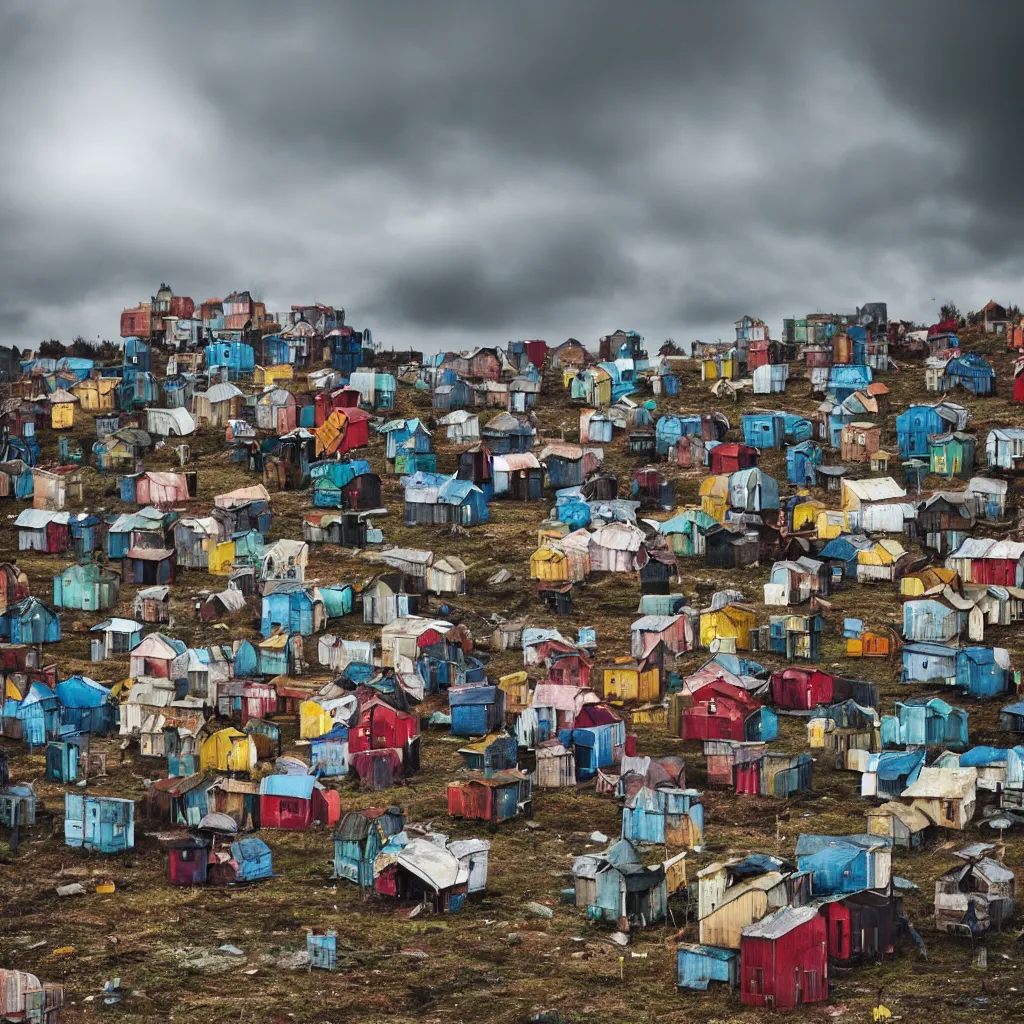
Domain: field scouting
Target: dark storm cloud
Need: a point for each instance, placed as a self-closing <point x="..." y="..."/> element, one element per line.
<point x="463" y="172"/>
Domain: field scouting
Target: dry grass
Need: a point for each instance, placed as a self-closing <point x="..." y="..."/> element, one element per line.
<point x="471" y="971"/>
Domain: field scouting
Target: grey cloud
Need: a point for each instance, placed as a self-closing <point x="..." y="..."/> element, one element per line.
<point x="478" y="172"/>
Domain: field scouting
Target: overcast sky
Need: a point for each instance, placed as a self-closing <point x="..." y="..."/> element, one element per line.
<point x="466" y="173"/>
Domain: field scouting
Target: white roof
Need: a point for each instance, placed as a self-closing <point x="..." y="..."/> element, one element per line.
<point x="434" y="864"/>
<point x="655" y="623"/>
<point x="983" y="485"/>
<point x="456" y="417"/>
<point x="116" y="625"/>
<point x="943" y="783"/>
<point x="780" y="923"/>
<point x="34" y="518"/>
<point x="158" y="419"/>
<point x="619" y="537"/>
<point x="413" y="555"/>
<point x="242" y="496"/>
<point x="876" y="489"/>
<point x="223" y="392"/>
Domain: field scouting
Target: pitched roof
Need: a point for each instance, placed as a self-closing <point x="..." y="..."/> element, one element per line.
<point x="782" y="922"/>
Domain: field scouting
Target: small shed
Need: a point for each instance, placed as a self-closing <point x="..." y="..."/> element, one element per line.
<point x="102" y="823"/>
<point x="493" y="797"/>
<point x="784" y="959"/>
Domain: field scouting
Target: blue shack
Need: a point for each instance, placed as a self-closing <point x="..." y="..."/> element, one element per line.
<point x="801" y="460"/>
<point x="476" y="710"/>
<point x="409" y="435"/>
<point x="84" y="533"/>
<point x="62" y="759"/>
<point x="246" y="660"/>
<point x="664" y="816"/>
<point x="359" y="837"/>
<point x="85" y="705"/>
<point x="891" y="772"/>
<point x="137" y="356"/>
<point x="437" y="498"/>
<point x="494" y="753"/>
<point x="329" y="478"/>
<point x="614" y="884"/>
<point x="764" y="429"/>
<point x="841" y="553"/>
<point x="697" y="966"/>
<point x="86" y="587"/>
<point x="915" y="426"/>
<point x="254" y="858"/>
<point x="925" y="662"/>
<point x="37" y="711"/>
<point x="30" y="622"/>
<point x="138" y="391"/>
<point x="925" y="721"/>
<point x="236" y="357"/>
<point x="846" y="378"/>
<point x="503" y="434"/>
<point x="338" y="600"/>
<point x="102" y="823"/>
<point x="328" y="754"/>
<point x="971" y="372"/>
<point x="347" y="351"/>
<point x="841" y="864"/>
<point x="980" y="671"/>
<point x="983" y="671"/>
<point x="293" y="606"/>
<point x="594" y="747"/>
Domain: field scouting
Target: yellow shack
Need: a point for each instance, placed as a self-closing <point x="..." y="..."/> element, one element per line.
<point x="714" y="496"/>
<point x="62" y="409"/>
<point x="733" y="622"/>
<point x="627" y="679"/>
<point x="549" y="565"/>
<point x="97" y="394"/>
<point x="228" y="750"/>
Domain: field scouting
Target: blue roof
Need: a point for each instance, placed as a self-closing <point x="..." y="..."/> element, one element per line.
<point x="808" y="844"/>
<point x="978" y="757"/>
<point x="299" y="786"/>
<point x="924" y="647"/>
<point x="461" y="695"/>
<point x="711" y="952"/>
<point x="82" y="692"/>
<point x="893" y="764"/>
<point x="1014" y="709"/>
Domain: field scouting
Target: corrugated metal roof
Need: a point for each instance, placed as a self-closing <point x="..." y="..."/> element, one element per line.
<point x="783" y="921"/>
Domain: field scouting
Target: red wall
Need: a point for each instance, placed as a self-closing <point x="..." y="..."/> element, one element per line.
<point x="804" y="949"/>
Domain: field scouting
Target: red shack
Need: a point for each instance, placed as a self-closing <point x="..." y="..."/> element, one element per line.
<point x="798" y="689"/>
<point x="188" y="860"/>
<point x="357" y="431"/>
<point x="493" y="798"/>
<point x="719" y="712"/>
<point x="784" y="959"/>
<point x="731" y="457"/>
<point x="296" y="802"/>
<point x="569" y="669"/>
<point x="326" y="402"/>
<point x="384" y="727"/>
<point x="536" y="352"/>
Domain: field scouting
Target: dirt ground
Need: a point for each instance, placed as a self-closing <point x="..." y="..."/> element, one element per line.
<point x="493" y="962"/>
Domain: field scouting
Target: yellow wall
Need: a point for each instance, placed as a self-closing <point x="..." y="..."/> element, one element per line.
<point x="313" y="720"/>
<point x="549" y="565"/>
<point x="715" y="625"/>
<point x="221" y="557"/>
<point x="62" y="416"/>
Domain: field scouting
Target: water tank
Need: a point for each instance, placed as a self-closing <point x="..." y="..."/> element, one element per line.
<point x="96" y="649"/>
